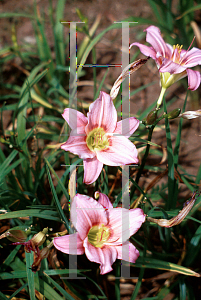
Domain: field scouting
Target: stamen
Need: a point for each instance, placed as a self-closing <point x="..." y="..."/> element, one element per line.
<point x="187" y="50"/>
<point x="191" y="44"/>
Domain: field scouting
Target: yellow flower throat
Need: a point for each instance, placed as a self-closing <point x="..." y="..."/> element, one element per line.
<point x="97" y="140"/>
<point x="98" y="235"/>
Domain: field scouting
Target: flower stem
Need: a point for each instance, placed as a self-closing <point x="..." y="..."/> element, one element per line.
<point x="144" y="158"/>
<point x="145" y="155"/>
<point x="160" y="98"/>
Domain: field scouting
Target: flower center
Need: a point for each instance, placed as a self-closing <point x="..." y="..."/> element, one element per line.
<point x="97" y="140"/>
<point x="176" y="53"/>
<point x="98" y="235"/>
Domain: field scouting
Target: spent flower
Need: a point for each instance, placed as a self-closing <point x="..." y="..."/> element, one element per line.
<point x="181" y="215"/>
<point x="99" y="231"/>
<point x="35" y="242"/>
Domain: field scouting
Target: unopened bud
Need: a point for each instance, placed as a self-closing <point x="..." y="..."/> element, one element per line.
<point x="151" y="118"/>
<point x="173" y="114"/>
<point x="180" y="217"/>
<point x="191" y="114"/>
<point x="96" y="195"/>
<point x="15" y="235"/>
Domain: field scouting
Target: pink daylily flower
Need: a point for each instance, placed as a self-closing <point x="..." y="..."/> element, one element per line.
<point x="173" y="62"/>
<point x="99" y="231"/>
<point x="97" y="138"/>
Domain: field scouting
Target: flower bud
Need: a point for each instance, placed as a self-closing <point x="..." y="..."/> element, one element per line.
<point x="151" y="118"/>
<point x="191" y="114"/>
<point x="173" y="114"/>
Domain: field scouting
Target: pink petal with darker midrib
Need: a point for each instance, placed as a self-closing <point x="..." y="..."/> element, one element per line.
<point x="127" y="126"/>
<point x="118" y="216"/>
<point x="78" y="146"/>
<point x="92" y="169"/>
<point x="148" y="51"/>
<point x="120" y="152"/>
<point x="191" y="58"/>
<point x="74" y="118"/>
<point x="193" y="79"/>
<point x="104" y="201"/>
<point x="155" y="39"/>
<point x="85" y="213"/>
<point x="128" y="253"/>
<point x="102" y="113"/>
<point x="76" y="244"/>
<point x="105" y="256"/>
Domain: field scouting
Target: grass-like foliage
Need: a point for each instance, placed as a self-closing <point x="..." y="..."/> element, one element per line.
<point x="38" y="179"/>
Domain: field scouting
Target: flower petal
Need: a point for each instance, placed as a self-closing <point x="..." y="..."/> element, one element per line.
<point x="193" y="79"/>
<point x="120" y="152"/>
<point x="127" y="252"/>
<point x="127" y="126"/>
<point x="104" y="200"/>
<point x="76" y="244"/>
<point x="148" y="51"/>
<point x="154" y="38"/>
<point x="74" y="118"/>
<point x="85" y="213"/>
<point x="136" y="218"/>
<point x="78" y="146"/>
<point x="191" y="58"/>
<point x="171" y="67"/>
<point x="133" y="218"/>
<point x="104" y="256"/>
<point x="102" y="113"/>
<point x="92" y="169"/>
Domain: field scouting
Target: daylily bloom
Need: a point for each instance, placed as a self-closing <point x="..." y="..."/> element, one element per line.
<point x="99" y="231"/>
<point x="172" y="61"/>
<point x="98" y="138"/>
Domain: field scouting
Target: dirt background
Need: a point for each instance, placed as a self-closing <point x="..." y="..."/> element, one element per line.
<point x="109" y="52"/>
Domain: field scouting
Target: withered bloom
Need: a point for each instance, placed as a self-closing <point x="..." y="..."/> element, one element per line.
<point x="15" y="235"/>
<point x="38" y="258"/>
<point x="181" y="215"/>
<point x="35" y="242"/>
<point x="131" y="68"/>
